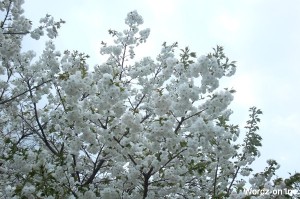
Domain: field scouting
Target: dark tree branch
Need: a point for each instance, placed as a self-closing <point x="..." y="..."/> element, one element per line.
<point x="95" y="171"/>
<point x="32" y="128"/>
<point x="60" y="97"/>
<point x="138" y="104"/>
<point x="146" y="182"/>
<point x="235" y="175"/>
<point x="123" y="60"/>
<point x="182" y="119"/>
<point x="28" y="90"/>
<point x="76" y="172"/>
<point x="195" y="114"/>
<point x="172" y="158"/>
<point x="132" y="160"/>
<point x="9" y="74"/>
<point x="16" y="33"/>
<point x="41" y="127"/>
<point x="146" y="117"/>
<point x="215" y="180"/>
<point x="179" y="125"/>
<point x="7" y="13"/>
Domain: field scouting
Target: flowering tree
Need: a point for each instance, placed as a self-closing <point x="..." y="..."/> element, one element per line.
<point x="126" y="129"/>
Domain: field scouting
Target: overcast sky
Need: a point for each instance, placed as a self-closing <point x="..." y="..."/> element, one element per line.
<point x="261" y="35"/>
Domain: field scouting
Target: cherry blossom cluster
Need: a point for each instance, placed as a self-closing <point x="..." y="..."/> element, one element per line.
<point x="127" y="128"/>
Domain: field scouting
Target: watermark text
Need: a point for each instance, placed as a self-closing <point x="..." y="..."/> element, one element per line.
<point x="270" y="192"/>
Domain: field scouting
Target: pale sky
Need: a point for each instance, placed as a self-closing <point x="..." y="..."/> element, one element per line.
<point x="261" y="35"/>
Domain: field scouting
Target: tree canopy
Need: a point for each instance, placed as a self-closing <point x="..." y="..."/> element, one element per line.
<point x="127" y="128"/>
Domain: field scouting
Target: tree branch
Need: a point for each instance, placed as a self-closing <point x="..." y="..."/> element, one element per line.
<point x="30" y="89"/>
<point x="146" y="182"/>
<point x="132" y="160"/>
<point x="41" y="127"/>
<point x="172" y="158"/>
<point x="122" y="65"/>
<point x="215" y="180"/>
<point x="7" y="12"/>
<point x="179" y="125"/>
<point x="95" y="171"/>
<point x="16" y="33"/>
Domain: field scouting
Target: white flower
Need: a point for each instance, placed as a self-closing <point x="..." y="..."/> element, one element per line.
<point x="144" y="34"/>
<point x="89" y="195"/>
<point x="28" y="189"/>
<point x="133" y="18"/>
<point x="109" y="193"/>
<point x="116" y="50"/>
<point x="162" y="104"/>
<point x="37" y="33"/>
<point x="51" y="33"/>
<point x="107" y="79"/>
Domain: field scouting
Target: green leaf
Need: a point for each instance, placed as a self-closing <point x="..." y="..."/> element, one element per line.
<point x="183" y="143"/>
